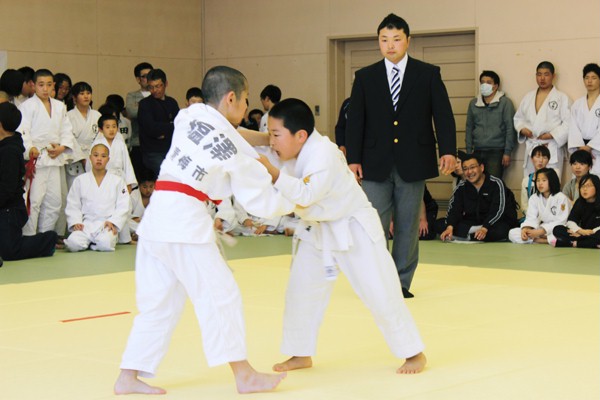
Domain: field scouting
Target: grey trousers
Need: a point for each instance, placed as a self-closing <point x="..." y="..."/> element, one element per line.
<point x="401" y="200"/>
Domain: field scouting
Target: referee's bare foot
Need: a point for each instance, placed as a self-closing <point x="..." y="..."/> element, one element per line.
<point x="293" y="363"/>
<point x="413" y="365"/>
<point x="248" y="380"/>
<point x="128" y="383"/>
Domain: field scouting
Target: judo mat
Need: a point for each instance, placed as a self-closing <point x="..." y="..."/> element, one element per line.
<point x="499" y="321"/>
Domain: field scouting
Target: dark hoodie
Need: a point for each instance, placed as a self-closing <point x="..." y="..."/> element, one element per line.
<point x="12" y="171"/>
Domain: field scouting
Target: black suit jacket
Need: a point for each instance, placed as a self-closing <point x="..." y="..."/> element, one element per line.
<point x="380" y="138"/>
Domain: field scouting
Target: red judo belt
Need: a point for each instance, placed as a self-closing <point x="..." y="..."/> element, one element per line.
<point x="183" y="188"/>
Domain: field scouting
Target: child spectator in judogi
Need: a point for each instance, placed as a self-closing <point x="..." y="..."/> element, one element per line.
<point x="338" y="230"/>
<point x="97" y="206"/>
<point x="583" y="226"/>
<point x="584" y="126"/>
<point x="427" y="216"/>
<point x="119" y="164"/>
<point x="85" y="129"/>
<point x="177" y="254"/>
<point x="13" y="214"/>
<point x="540" y="157"/>
<point x="548" y="207"/>
<point x="223" y="215"/>
<point x="251" y="225"/>
<point x="581" y="165"/>
<point x="118" y="104"/>
<point x="48" y="138"/>
<point x="140" y="199"/>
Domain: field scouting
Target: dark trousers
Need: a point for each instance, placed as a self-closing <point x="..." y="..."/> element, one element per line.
<point x="492" y="159"/>
<point x="152" y="161"/>
<point x="562" y="233"/>
<point x="15" y="246"/>
<point x="496" y="233"/>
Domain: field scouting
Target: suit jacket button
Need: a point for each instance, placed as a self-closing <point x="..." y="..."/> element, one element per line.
<point x="395" y="140"/>
<point x="395" y="123"/>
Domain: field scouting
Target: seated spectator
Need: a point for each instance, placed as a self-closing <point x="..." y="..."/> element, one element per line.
<point x="540" y="157"/>
<point x="13" y="213"/>
<point x="481" y="207"/>
<point x="193" y="96"/>
<point x="427" y="217"/>
<point x="547" y="208"/>
<point x="583" y="225"/>
<point x="140" y="198"/>
<point x="223" y="215"/>
<point x="97" y="206"/>
<point x="581" y="164"/>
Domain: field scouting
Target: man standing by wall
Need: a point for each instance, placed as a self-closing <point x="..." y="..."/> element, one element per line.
<point x="390" y="141"/>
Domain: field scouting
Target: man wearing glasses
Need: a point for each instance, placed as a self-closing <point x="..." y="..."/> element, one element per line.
<point x="131" y="107"/>
<point x="481" y="207"/>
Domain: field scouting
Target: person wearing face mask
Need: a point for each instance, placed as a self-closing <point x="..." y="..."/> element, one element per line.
<point x="490" y="132"/>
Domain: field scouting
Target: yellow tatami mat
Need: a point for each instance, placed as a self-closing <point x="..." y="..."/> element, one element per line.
<point x="490" y="334"/>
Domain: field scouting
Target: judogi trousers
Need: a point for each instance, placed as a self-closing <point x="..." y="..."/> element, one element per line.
<point x="168" y="273"/>
<point x="371" y="271"/>
<point x="46" y="200"/>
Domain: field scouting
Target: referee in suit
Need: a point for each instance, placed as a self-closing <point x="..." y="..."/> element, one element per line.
<point x="390" y="139"/>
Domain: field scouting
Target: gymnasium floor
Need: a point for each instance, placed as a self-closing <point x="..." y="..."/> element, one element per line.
<point x="500" y="321"/>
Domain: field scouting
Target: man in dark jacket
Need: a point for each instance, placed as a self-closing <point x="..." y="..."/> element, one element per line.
<point x="481" y="208"/>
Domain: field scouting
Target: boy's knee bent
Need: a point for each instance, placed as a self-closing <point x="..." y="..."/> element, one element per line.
<point x="105" y="241"/>
<point x="77" y="241"/>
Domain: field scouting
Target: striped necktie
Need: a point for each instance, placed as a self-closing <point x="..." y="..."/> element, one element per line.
<point x="395" y="87"/>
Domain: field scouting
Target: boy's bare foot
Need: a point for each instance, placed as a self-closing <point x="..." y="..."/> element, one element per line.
<point x="248" y="380"/>
<point x="293" y="363"/>
<point x="128" y="383"/>
<point x="413" y="365"/>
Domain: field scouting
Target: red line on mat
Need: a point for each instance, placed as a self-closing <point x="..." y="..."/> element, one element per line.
<point x="96" y="316"/>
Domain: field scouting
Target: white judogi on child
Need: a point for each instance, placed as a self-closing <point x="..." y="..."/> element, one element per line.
<point x="552" y="117"/>
<point x="338" y="228"/>
<point x="177" y="254"/>
<point x="543" y="213"/>
<point x="584" y="128"/>
<point x="137" y="210"/>
<point x="39" y="130"/>
<point x="120" y="162"/>
<point x="224" y="211"/>
<point x="92" y="205"/>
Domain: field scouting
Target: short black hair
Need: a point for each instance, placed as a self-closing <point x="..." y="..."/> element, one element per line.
<point x="10" y="117"/>
<point x="490" y="74"/>
<point x="116" y="101"/>
<point x="546" y="65"/>
<point x="28" y="73"/>
<point x="157" y="74"/>
<point x="582" y="157"/>
<point x="472" y="156"/>
<point x="392" y="21"/>
<point x="295" y="115"/>
<point x="221" y="80"/>
<point x="61" y="77"/>
<point x="552" y="177"/>
<point x="11" y="82"/>
<point x="137" y="71"/>
<point x="42" y="72"/>
<point x="272" y="92"/>
<point x="591" y="67"/>
<point x="81" y="87"/>
<point x="194" y="92"/>
<point x="106" y="117"/>
<point x="255" y="111"/>
<point x="542" y="150"/>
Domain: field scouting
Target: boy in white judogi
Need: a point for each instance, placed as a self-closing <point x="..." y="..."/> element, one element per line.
<point x="48" y="138"/>
<point x="97" y="206"/>
<point x="120" y="163"/>
<point x="547" y="208"/>
<point x="543" y="119"/>
<point x="338" y="228"/>
<point x="584" y="127"/>
<point x="223" y="214"/>
<point x="177" y="254"/>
